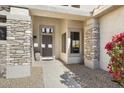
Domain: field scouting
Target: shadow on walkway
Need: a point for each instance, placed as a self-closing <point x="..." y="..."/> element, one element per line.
<point x="69" y="80"/>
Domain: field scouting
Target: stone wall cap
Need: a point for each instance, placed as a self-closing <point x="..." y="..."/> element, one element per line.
<point x="19" y="17"/>
<point x="19" y="11"/>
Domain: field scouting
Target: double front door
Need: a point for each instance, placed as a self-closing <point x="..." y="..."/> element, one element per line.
<point x="46" y="46"/>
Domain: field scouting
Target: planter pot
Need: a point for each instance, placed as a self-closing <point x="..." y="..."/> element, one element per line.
<point x="37" y="56"/>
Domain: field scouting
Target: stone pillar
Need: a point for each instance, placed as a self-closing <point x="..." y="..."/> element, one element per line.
<point x="19" y="43"/>
<point x="91" y="43"/>
<point x="3" y="57"/>
<point x="4" y="10"/>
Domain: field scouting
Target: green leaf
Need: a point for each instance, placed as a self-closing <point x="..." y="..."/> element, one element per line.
<point x="114" y="68"/>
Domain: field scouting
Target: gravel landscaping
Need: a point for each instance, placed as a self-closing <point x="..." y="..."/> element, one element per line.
<point x="89" y="78"/>
<point x="34" y="81"/>
<point x="77" y="76"/>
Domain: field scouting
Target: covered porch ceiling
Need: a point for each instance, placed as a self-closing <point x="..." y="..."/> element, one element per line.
<point x="57" y="12"/>
<point x="56" y="15"/>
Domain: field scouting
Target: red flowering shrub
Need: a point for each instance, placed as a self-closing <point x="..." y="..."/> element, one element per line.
<point x="115" y="49"/>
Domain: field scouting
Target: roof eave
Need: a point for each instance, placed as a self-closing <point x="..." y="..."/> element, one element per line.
<point x="104" y="10"/>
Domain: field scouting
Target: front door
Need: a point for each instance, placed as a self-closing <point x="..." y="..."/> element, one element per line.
<point x="47" y="46"/>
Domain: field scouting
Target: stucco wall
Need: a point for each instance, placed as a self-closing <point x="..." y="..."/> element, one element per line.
<point x="110" y="24"/>
<point x="61" y="26"/>
<point x="75" y="24"/>
<point x="67" y="26"/>
<point x="64" y="28"/>
<point x="38" y="21"/>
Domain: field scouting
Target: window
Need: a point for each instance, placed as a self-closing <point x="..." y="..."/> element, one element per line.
<point x="2" y="33"/>
<point x="75" y="42"/>
<point x="2" y="19"/>
<point x="64" y="43"/>
<point x="2" y="28"/>
<point x="47" y="30"/>
<point x="64" y="5"/>
<point x="76" y="6"/>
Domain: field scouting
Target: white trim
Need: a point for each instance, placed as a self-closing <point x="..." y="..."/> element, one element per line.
<point x="76" y="30"/>
<point x="74" y="58"/>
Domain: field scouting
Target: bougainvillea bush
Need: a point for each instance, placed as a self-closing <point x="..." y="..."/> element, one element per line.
<point x="115" y="49"/>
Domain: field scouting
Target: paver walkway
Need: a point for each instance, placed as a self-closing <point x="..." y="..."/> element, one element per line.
<point x="56" y="75"/>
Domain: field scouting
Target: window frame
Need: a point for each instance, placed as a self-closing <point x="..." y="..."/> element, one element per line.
<point x="3" y="25"/>
<point x="5" y="33"/>
<point x="75" y="40"/>
<point x="75" y="6"/>
<point x="51" y="30"/>
<point x="81" y="37"/>
<point x="3" y="19"/>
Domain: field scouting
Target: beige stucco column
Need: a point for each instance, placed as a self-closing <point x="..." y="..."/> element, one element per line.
<point x="91" y="43"/>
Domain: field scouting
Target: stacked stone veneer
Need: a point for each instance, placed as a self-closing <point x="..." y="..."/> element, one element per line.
<point x="19" y="42"/>
<point x="3" y="53"/>
<point x="91" y="43"/>
<point x="3" y="58"/>
<point x="19" y="46"/>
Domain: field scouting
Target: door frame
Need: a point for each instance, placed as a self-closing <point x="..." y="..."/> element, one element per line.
<point x="53" y="41"/>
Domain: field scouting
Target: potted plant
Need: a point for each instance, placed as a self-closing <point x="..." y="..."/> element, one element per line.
<point x="115" y="49"/>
